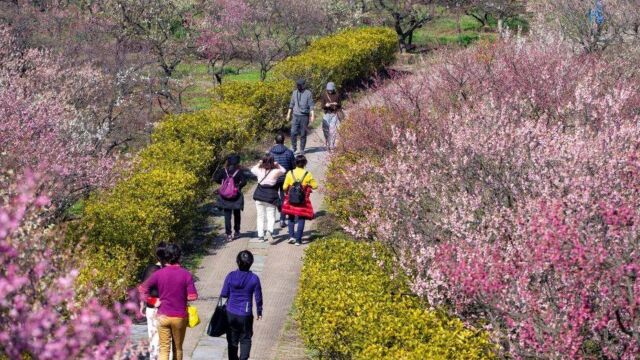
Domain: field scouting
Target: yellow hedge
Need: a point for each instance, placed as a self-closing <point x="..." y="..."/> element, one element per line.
<point x="158" y="202"/>
<point x="347" y="56"/>
<point x="270" y="99"/>
<point x="350" y="306"/>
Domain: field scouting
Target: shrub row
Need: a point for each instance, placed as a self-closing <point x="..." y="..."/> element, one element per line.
<point x="347" y="56"/>
<point x="158" y="201"/>
<point x="270" y="99"/>
<point x="351" y="305"/>
<point x="342" y="58"/>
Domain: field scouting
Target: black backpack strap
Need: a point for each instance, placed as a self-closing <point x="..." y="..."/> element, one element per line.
<point x="304" y="176"/>
<point x="293" y="176"/>
<point x="265" y="176"/>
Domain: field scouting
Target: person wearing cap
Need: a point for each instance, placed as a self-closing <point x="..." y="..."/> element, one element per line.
<point x="301" y="107"/>
<point x="332" y="106"/>
<point x="231" y="206"/>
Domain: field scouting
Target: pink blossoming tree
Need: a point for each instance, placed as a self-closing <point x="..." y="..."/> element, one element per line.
<point x="39" y="314"/>
<point x="41" y="129"/>
<point x="508" y="186"/>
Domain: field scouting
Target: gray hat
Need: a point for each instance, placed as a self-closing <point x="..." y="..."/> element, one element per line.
<point x="331" y="86"/>
<point x="301" y="82"/>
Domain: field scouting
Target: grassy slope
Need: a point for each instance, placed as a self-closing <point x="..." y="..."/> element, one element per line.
<point x="443" y="31"/>
<point x="196" y="96"/>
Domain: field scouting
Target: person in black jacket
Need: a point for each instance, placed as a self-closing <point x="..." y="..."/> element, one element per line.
<point x="232" y="206"/>
<point x="285" y="157"/>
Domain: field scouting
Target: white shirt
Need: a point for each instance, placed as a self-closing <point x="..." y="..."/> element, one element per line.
<point x="273" y="176"/>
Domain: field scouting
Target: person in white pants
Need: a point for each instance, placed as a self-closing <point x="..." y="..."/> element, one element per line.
<point x="266" y="194"/>
<point x="149" y="309"/>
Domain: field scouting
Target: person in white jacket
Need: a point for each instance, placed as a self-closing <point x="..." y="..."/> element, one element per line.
<point x="266" y="194"/>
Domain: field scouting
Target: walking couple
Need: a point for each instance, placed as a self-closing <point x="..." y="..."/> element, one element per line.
<point x="301" y="107"/>
<point x="166" y="289"/>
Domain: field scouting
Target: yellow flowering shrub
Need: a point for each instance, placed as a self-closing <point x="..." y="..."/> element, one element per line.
<point x="190" y="155"/>
<point x="351" y="305"/>
<point x="270" y="99"/>
<point x="343" y="57"/>
<point x="106" y="268"/>
<point x="226" y="127"/>
<point x="158" y="202"/>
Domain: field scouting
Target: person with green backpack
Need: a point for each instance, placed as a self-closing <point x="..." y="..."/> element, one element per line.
<point x="298" y="185"/>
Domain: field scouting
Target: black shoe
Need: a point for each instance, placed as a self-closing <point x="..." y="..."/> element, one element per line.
<point x="236" y="235"/>
<point x="283" y="224"/>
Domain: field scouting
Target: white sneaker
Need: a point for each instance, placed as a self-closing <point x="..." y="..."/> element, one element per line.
<point x="298" y="243"/>
<point x="292" y="241"/>
<point x="267" y="237"/>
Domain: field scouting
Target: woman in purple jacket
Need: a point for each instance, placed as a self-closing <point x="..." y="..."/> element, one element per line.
<point x="239" y="288"/>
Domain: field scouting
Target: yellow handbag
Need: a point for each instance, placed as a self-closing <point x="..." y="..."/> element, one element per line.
<point x="194" y="319"/>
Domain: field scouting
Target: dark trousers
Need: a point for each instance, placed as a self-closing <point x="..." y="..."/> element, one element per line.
<point x="227" y="220"/>
<point x="283" y="217"/>
<point x="299" y="126"/>
<point x="296" y="231"/>
<point x="240" y="331"/>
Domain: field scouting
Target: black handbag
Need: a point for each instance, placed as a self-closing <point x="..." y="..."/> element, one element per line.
<point x="268" y="194"/>
<point x="219" y="323"/>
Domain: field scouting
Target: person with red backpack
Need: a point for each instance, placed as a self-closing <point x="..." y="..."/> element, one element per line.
<point x="230" y="199"/>
<point x="298" y="185"/>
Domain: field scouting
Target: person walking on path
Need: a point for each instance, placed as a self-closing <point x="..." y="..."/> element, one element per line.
<point x="240" y="287"/>
<point x="148" y="308"/>
<point x="230" y="198"/>
<point x="175" y="288"/>
<point x="301" y="106"/>
<point x="298" y="213"/>
<point x="332" y="106"/>
<point x="283" y="156"/>
<point x="266" y="194"/>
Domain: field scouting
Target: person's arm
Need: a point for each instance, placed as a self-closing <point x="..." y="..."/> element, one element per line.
<point x="311" y="181"/>
<point x="224" y="293"/>
<point x="292" y="160"/>
<point x="258" y="296"/>
<point x="143" y="289"/>
<point x="256" y="169"/>
<point x="311" y="105"/>
<point x="192" y="294"/>
<point x="292" y="103"/>
<point x="241" y="179"/>
<point x="217" y="177"/>
<point x="280" y="170"/>
<point x="288" y="181"/>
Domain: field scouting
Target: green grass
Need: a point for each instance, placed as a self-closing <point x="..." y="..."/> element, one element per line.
<point x="443" y="31"/>
<point x="76" y="209"/>
<point x="197" y="96"/>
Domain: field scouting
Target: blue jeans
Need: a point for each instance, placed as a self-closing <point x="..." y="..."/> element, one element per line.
<point x="293" y="221"/>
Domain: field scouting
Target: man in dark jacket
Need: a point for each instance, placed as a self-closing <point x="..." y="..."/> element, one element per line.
<point x="283" y="156"/>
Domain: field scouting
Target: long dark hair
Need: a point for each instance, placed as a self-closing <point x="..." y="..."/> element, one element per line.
<point x="268" y="163"/>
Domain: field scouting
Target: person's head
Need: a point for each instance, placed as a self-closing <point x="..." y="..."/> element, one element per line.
<point x="233" y="160"/>
<point x="268" y="163"/>
<point x="331" y="87"/>
<point x="244" y="260"/>
<point x="301" y="161"/>
<point x="160" y="250"/>
<point x="172" y="254"/>
<point x="280" y="139"/>
<point x="300" y="84"/>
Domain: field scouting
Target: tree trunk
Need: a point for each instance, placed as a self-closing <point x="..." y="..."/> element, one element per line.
<point x="263" y="73"/>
